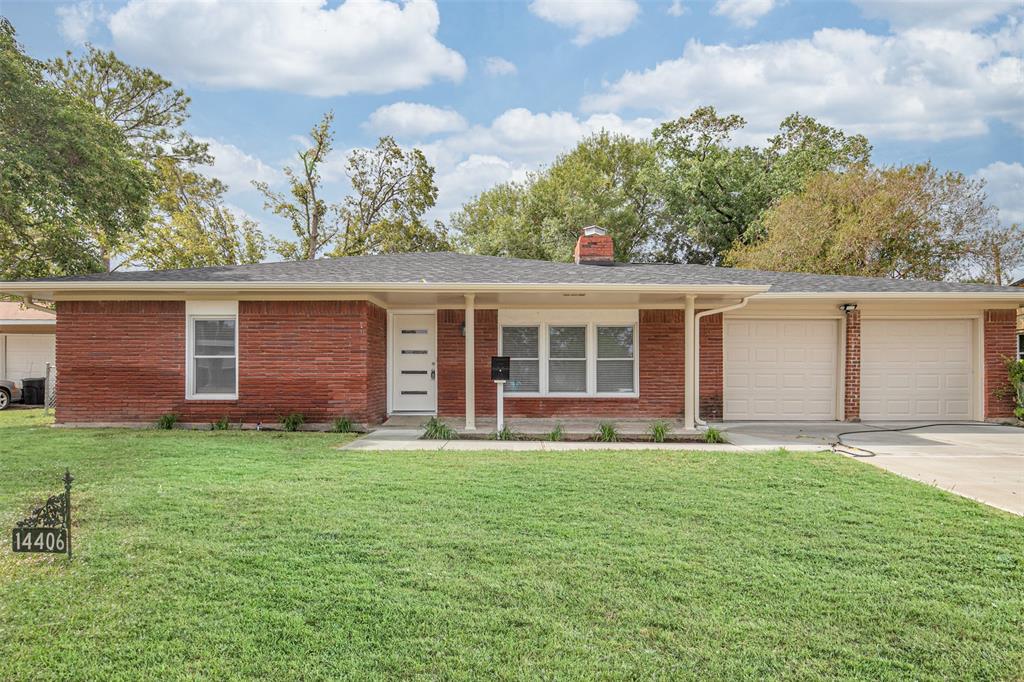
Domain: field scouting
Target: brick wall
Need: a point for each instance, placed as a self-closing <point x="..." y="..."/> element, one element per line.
<point x="851" y="391"/>
<point x="1000" y="343"/>
<point x="712" y="387"/>
<point x="124" y="361"/>
<point x="451" y="362"/>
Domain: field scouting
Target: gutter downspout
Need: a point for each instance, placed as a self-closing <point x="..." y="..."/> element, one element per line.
<point x="696" y="343"/>
<point x="28" y="303"/>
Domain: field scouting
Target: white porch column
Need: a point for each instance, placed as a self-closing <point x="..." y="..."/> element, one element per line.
<point x="690" y="360"/>
<point x="470" y="363"/>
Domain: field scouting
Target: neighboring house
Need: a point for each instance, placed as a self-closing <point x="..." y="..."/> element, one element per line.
<point x="369" y="336"/>
<point x="26" y="342"/>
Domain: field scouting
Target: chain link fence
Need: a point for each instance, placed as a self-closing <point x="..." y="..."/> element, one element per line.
<point x="50" y="389"/>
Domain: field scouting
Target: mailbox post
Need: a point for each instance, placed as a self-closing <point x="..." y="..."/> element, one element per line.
<point x="501" y="367"/>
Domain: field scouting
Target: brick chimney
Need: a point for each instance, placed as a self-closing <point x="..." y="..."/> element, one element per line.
<point x="594" y="247"/>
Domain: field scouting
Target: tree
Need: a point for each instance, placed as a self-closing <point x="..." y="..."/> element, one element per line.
<point x="305" y="209"/>
<point x="191" y="227"/>
<point x="64" y="169"/>
<point x="392" y="189"/>
<point x="716" y="191"/>
<point x="995" y="251"/>
<point x="910" y="222"/>
<point x="139" y="101"/>
<point x="606" y="180"/>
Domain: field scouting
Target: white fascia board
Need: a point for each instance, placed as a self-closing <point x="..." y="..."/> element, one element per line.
<point x="27" y="323"/>
<point x="895" y="295"/>
<point x="60" y="288"/>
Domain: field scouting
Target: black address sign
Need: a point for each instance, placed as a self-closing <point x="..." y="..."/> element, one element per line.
<point x="47" y="528"/>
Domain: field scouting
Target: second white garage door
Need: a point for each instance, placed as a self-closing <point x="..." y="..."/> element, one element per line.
<point x="915" y="369"/>
<point x="780" y="369"/>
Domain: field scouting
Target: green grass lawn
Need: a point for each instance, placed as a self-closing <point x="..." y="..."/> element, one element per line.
<point x="226" y="554"/>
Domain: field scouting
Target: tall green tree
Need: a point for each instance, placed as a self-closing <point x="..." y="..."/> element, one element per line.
<point x="143" y="104"/>
<point x="607" y="180"/>
<point x="392" y="189"/>
<point x="69" y="182"/>
<point x="191" y="227"/>
<point x="910" y="222"/>
<point x="188" y="225"/>
<point x="716" y="190"/>
<point x="314" y="222"/>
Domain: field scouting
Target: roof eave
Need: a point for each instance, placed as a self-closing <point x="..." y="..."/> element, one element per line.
<point x="45" y="289"/>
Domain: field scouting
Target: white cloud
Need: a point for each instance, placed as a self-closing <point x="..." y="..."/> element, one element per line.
<point x="76" y="22"/>
<point x="743" y="13"/>
<point x="591" y="19"/>
<point x="956" y="14"/>
<point x="236" y="168"/>
<point x="1004" y="184"/>
<point x="676" y="9"/>
<point x="302" y="46"/>
<point x="509" y="147"/>
<point x="920" y="84"/>
<point x="404" y="119"/>
<point x="496" y="66"/>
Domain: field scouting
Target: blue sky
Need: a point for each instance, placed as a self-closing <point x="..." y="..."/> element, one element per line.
<point x="493" y="90"/>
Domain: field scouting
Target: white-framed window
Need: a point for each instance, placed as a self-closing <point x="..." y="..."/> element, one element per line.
<point x="571" y="353"/>
<point x="616" y="357"/>
<point x="522" y="345"/>
<point x="211" y="351"/>
<point x="567" y="359"/>
<point x="1020" y="346"/>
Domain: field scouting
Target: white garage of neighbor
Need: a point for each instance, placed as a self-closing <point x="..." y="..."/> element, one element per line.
<point x="916" y="369"/>
<point x="27" y="342"/>
<point x="780" y="369"/>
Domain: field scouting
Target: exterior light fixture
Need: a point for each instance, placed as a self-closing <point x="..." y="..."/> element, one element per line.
<point x="848" y="307"/>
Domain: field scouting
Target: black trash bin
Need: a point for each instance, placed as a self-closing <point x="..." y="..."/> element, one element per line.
<point x="33" y="391"/>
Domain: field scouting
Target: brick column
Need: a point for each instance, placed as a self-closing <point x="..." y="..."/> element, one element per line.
<point x="1000" y="343"/>
<point x="851" y="393"/>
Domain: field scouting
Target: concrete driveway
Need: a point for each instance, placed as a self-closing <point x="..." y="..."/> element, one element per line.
<point x="984" y="462"/>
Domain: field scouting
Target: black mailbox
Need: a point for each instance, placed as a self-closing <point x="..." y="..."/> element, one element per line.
<point x="500" y="367"/>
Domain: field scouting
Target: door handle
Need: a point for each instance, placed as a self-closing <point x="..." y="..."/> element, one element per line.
<point x="432" y="373"/>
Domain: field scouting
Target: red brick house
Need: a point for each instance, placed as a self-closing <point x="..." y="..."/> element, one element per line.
<point x="370" y="336"/>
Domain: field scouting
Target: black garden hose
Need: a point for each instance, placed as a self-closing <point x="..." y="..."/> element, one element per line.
<point x="864" y="452"/>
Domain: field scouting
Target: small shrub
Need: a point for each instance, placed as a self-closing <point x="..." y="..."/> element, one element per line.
<point x="506" y="433"/>
<point x="167" y="421"/>
<point x="713" y="435"/>
<point x="1015" y="374"/>
<point x="343" y="425"/>
<point x="221" y="424"/>
<point x="659" y="431"/>
<point x="293" y="421"/>
<point x="607" y="433"/>
<point x="557" y="433"/>
<point x="435" y="429"/>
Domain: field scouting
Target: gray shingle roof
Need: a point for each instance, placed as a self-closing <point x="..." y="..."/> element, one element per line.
<point x="457" y="268"/>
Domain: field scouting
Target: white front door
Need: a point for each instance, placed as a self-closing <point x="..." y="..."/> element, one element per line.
<point x="414" y="363"/>
<point x="780" y="369"/>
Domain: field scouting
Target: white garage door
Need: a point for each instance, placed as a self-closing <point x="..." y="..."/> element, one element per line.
<point x="780" y="369"/>
<point x="915" y="369"/>
<point x="27" y="355"/>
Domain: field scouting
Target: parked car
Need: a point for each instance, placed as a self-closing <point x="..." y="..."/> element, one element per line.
<point x="9" y="393"/>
